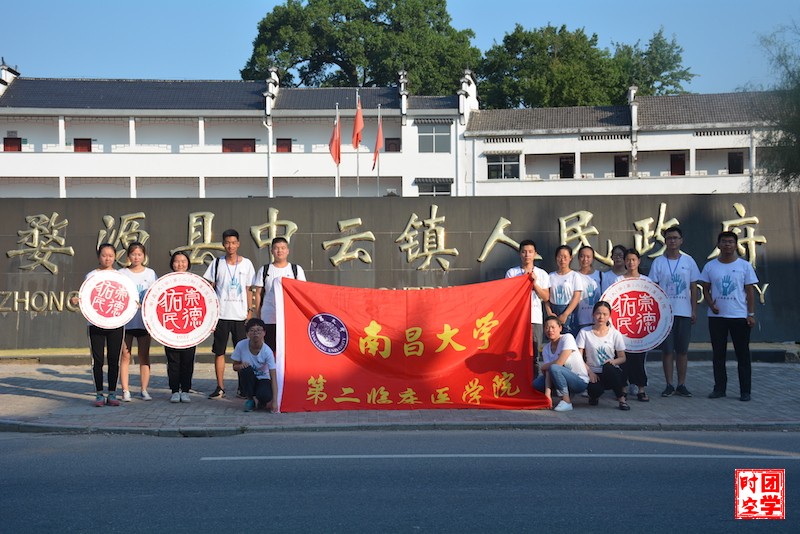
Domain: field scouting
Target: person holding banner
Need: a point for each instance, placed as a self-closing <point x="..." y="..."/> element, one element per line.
<point x="677" y="274"/>
<point x="232" y="277"/>
<point x="634" y="367"/>
<point x="109" y="339"/>
<point x="264" y="282"/>
<point x="603" y="350"/>
<point x="562" y="366"/>
<point x="729" y="285"/>
<point x="566" y="288"/>
<point x="143" y="277"/>
<point x="255" y="363"/>
<point x="540" y="292"/>
<point x="180" y="362"/>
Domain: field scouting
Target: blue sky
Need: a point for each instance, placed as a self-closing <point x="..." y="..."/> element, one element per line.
<point x="209" y="40"/>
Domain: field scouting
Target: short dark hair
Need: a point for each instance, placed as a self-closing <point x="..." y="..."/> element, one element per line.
<point x="563" y="247"/>
<point x="230" y="232"/>
<point x="106" y="245"/>
<point x="634" y="252"/>
<point x="586" y="247"/>
<point x="621" y="248"/>
<point x="255" y="321"/>
<point x="175" y="255"/>
<point x="278" y="239"/>
<point x="673" y="229"/>
<point x="728" y="233"/>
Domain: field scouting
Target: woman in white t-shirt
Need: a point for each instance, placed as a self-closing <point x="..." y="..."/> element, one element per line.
<point x="593" y="283"/>
<point x="562" y="367"/>
<point x="635" y="370"/>
<point x="603" y="350"/>
<point x="566" y="287"/>
<point x="142" y="277"/>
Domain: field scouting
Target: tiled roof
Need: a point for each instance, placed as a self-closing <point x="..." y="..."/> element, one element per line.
<point x="545" y="119"/>
<point x="326" y="98"/>
<point x="133" y="94"/>
<point x="723" y="108"/>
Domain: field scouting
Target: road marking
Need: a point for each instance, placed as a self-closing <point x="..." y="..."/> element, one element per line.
<point x="489" y="456"/>
<point x="671" y="441"/>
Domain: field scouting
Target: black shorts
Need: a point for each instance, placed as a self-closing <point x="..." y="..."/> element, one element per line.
<point x="136" y="332"/>
<point x="225" y="328"/>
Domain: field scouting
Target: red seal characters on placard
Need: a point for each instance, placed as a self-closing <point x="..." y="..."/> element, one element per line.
<point x="109" y="298"/>
<point x="641" y="311"/>
<point x="181" y="309"/>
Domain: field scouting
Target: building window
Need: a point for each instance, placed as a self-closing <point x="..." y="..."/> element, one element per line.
<point x="735" y="162"/>
<point x="434" y="138"/>
<point x="434" y="190"/>
<point x="284" y="145"/>
<point x="392" y="144"/>
<point x="677" y="164"/>
<point x="82" y="145"/>
<point x="12" y="144"/>
<point x="621" y="166"/>
<point x="566" y="166"/>
<point x="503" y="166"/>
<point x="238" y="145"/>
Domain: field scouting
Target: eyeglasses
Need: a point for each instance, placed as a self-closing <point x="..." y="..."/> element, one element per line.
<point x="256" y="330"/>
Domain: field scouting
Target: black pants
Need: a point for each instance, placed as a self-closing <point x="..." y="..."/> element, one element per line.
<point x="611" y="378"/>
<point x="634" y="368"/>
<point x="718" y="330"/>
<point x="253" y="387"/>
<point x="180" y="368"/>
<point x="101" y="339"/>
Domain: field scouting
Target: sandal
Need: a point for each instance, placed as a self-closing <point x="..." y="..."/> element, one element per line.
<point x="642" y="397"/>
<point x="624" y="406"/>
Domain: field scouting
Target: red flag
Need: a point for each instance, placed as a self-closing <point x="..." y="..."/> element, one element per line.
<point x="335" y="145"/>
<point x="378" y="142"/>
<point x="358" y="125"/>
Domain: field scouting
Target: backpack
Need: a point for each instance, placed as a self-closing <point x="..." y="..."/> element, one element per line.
<point x="265" y="274"/>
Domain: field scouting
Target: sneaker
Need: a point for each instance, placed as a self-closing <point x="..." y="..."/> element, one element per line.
<point x="185" y="397"/>
<point x="176" y="397"/>
<point x="239" y="394"/>
<point x="682" y="391"/>
<point x="668" y="391"/>
<point x="219" y="393"/>
<point x="126" y="395"/>
<point x="112" y="399"/>
<point x="249" y="405"/>
<point x="99" y="400"/>
<point x="563" y="406"/>
<point x="716" y="394"/>
<point x="144" y="395"/>
<point x="745" y="397"/>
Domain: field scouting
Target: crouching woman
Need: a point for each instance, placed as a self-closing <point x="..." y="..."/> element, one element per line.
<point x="563" y="367"/>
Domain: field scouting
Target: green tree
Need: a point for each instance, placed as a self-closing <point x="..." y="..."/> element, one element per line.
<point x="781" y="157"/>
<point x="556" y="67"/>
<point x="361" y="43"/>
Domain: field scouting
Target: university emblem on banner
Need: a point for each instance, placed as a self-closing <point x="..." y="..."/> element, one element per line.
<point x="328" y="333"/>
<point x="108" y="299"/>
<point x="641" y="311"/>
<point x="180" y="310"/>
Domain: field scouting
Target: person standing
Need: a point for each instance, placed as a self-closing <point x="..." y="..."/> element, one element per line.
<point x="180" y="362"/>
<point x="142" y="277"/>
<point x="566" y="289"/>
<point x="729" y="286"/>
<point x="539" y="293"/>
<point x="593" y="282"/>
<point x="677" y="274"/>
<point x="232" y="277"/>
<point x="635" y="370"/>
<point x="264" y="283"/>
<point x="617" y="267"/>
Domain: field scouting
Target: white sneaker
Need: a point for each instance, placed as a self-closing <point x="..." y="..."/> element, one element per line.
<point x="176" y="397"/>
<point x="185" y="397"/>
<point x="144" y="395"/>
<point x="563" y="406"/>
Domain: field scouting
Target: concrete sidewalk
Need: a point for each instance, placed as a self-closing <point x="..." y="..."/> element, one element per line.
<point x="59" y="398"/>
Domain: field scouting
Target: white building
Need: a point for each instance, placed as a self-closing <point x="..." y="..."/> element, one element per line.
<point x="144" y="138"/>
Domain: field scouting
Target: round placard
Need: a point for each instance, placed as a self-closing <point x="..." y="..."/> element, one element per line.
<point x="108" y="299"/>
<point x="180" y="310"/>
<point x="641" y="311"/>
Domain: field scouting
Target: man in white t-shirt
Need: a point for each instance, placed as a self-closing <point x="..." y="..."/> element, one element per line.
<point x="264" y="283"/>
<point x="255" y="363"/>
<point x="232" y="276"/>
<point x="729" y="285"/>
<point x="540" y="292"/>
<point x="677" y="274"/>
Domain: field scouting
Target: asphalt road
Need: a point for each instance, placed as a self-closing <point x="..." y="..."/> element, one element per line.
<point x="451" y="481"/>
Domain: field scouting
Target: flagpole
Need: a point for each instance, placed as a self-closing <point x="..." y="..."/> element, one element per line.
<point x="358" y="160"/>
<point x="378" y="161"/>
<point x="337" y="186"/>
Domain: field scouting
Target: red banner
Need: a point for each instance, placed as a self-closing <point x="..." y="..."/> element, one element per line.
<point x="369" y="349"/>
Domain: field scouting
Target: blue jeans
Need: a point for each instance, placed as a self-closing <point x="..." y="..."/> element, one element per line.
<point x="564" y="381"/>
